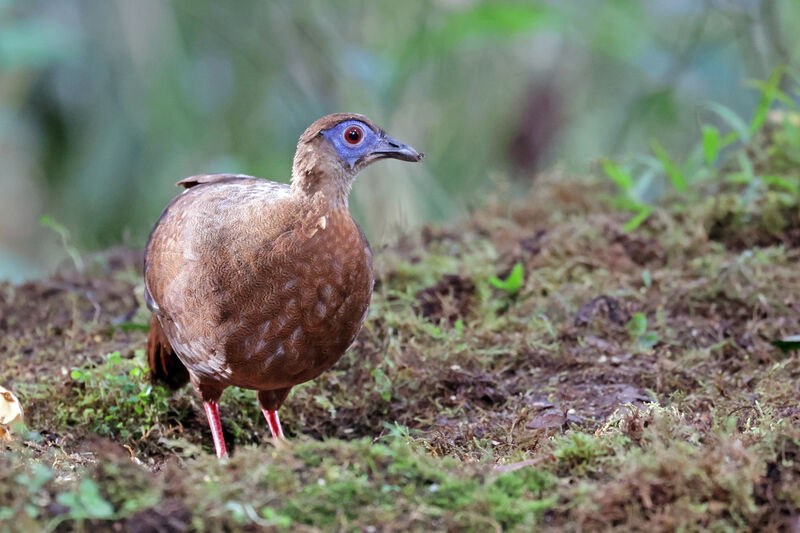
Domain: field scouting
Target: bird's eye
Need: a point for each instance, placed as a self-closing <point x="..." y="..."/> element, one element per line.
<point x="353" y="134"/>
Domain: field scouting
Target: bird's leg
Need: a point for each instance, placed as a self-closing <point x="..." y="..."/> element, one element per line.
<point x="212" y="412"/>
<point x="270" y="401"/>
<point x="274" y="423"/>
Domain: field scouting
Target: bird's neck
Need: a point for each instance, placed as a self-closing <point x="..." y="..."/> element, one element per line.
<point x="332" y="186"/>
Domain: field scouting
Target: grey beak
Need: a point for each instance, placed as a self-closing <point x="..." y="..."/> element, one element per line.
<point x="389" y="147"/>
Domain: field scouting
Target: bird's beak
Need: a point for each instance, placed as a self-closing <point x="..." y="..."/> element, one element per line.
<point x="388" y="147"/>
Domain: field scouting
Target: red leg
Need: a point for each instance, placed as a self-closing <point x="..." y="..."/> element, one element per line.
<point x="270" y="401"/>
<point x="274" y="424"/>
<point x="212" y="412"/>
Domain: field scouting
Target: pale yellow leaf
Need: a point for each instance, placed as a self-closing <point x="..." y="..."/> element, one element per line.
<point x="10" y="408"/>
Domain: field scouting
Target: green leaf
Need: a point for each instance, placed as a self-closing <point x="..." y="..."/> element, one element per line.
<point x="637" y="326"/>
<point x="777" y="94"/>
<point x="512" y="283"/>
<point x="624" y="203"/>
<point x="514" y="280"/>
<point x="710" y="144"/>
<point x="69" y="499"/>
<point x="637" y="220"/>
<point x="94" y="504"/>
<point x="622" y="178"/>
<point x="746" y="166"/>
<point x="768" y="95"/>
<point x="276" y="518"/>
<point x="674" y="173"/>
<point x="784" y="182"/>
<point x="433" y="331"/>
<point x="728" y="139"/>
<point x="731" y="119"/>
<point x="87" y="503"/>
<point x="648" y="340"/>
<point x="383" y="383"/>
<point x="787" y="344"/>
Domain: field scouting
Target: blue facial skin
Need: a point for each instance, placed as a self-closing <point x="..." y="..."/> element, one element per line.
<point x="370" y="147"/>
<point x="350" y="153"/>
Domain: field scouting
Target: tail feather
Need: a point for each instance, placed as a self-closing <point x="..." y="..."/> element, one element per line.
<point x="165" y="367"/>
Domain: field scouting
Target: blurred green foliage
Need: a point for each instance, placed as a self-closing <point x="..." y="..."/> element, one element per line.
<point x="763" y="154"/>
<point x="104" y="105"/>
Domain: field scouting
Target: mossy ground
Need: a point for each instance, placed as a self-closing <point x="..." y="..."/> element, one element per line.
<point x="627" y="383"/>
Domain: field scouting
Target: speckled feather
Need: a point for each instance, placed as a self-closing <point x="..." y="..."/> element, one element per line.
<point x="257" y="284"/>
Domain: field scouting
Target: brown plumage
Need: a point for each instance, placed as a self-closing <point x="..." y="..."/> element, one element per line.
<point x="263" y="285"/>
<point x="165" y="367"/>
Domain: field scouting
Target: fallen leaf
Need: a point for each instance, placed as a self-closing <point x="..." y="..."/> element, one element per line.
<point x="10" y="412"/>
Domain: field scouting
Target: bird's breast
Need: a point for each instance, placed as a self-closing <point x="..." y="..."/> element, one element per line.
<point x="306" y="309"/>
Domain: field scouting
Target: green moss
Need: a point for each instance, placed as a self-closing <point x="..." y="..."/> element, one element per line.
<point x="113" y="398"/>
<point x="515" y="498"/>
<point x="578" y="451"/>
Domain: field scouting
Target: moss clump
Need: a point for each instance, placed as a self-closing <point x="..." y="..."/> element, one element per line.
<point x="331" y="485"/>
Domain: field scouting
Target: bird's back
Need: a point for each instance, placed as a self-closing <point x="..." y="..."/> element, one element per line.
<point x="254" y="286"/>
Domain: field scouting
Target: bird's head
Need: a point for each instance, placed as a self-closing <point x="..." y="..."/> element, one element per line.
<point x="336" y="147"/>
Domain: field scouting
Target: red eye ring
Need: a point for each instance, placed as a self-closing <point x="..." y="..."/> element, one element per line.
<point x="353" y="135"/>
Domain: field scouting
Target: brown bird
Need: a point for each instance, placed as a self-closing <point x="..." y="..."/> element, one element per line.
<point x="264" y="285"/>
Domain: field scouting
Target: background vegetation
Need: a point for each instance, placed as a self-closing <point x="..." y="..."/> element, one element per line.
<point x="104" y="105"/>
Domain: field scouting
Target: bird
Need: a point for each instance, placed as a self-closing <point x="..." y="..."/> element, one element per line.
<point x="264" y="285"/>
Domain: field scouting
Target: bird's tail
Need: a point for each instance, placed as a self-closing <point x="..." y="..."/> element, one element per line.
<point x="165" y="367"/>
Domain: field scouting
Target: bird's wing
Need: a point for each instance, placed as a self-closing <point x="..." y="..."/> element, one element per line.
<point x="209" y="246"/>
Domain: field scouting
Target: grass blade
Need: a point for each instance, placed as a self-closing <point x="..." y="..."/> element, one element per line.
<point x="783" y="182"/>
<point x="637" y="220"/>
<point x="733" y="120"/>
<point x="710" y="144"/>
<point x="622" y="178"/>
<point x="672" y="170"/>
<point x="768" y="94"/>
